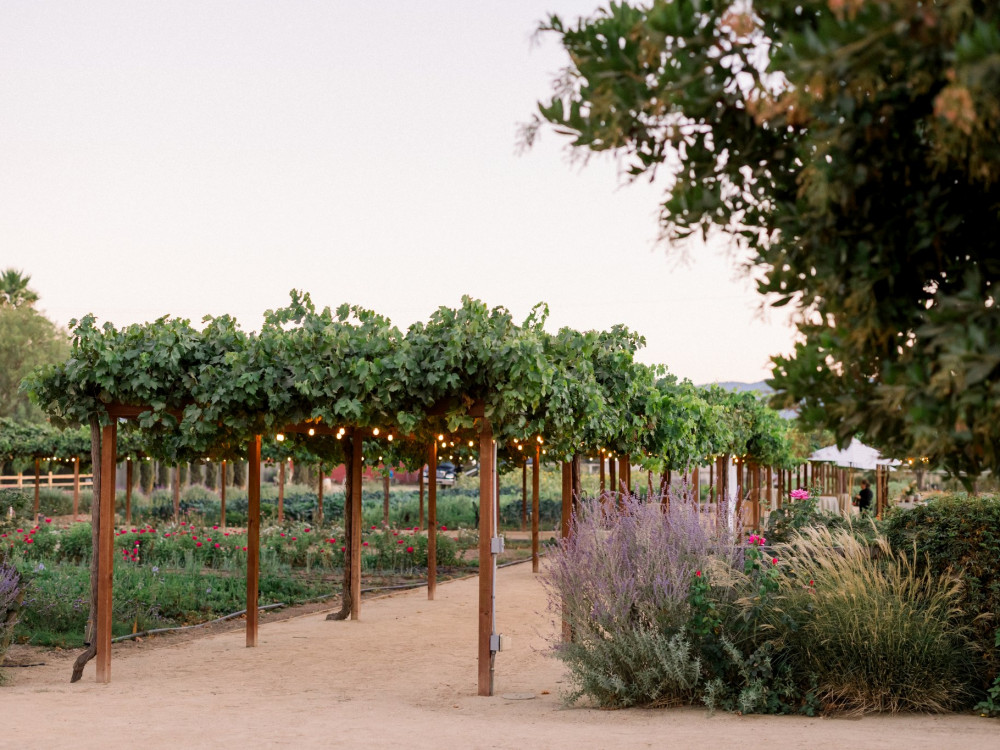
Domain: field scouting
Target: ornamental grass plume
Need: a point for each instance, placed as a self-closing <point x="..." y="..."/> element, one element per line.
<point x="878" y="633"/>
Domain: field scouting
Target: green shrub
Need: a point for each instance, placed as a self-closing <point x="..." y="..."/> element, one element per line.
<point x="879" y="633"/>
<point x="960" y="533"/>
<point x="632" y="667"/>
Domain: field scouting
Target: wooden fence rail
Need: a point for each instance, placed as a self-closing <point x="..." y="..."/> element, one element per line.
<point x="58" y="481"/>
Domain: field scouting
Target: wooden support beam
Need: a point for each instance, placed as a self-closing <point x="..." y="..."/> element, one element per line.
<point x="496" y="500"/>
<point x="253" y="539"/>
<point x="432" y="463"/>
<point x="535" y="476"/>
<point x="486" y="488"/>
<point x="357" y="444"/>
<point x="623" y="478"/>
<point x="106" y="550"/>
<point x="602" y="461"/>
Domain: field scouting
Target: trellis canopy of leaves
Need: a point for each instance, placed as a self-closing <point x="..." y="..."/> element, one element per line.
<point x="209" y="390"/>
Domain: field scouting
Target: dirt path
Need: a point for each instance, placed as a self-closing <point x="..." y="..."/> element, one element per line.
<point x="404" y="676"/>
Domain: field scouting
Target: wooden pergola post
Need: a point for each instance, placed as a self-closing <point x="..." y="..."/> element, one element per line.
<point x="496" y="509"/>
<point x="696" y="484"/>
<point x="253" y="540"/>
<point x="281" y="491"/>
<point x="106" y="549"/>
<point x="357" y="444"/>
<point x="222" y="497"/>
<point x="486" y="530"/>
<point x="535" y="471"/>
<point x="432" y="463"/>
<point x="128" y="490"/>
<point x="602" y="473"/>
<point x="76" y="487"/>
<point x="623" y="477"/>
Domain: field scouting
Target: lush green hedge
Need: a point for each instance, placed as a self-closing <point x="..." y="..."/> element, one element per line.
<point x="961" y="533"/>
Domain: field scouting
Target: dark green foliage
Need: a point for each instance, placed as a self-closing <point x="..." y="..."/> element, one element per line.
<point x="962" y="534"/>
<point x="865" y="188"/>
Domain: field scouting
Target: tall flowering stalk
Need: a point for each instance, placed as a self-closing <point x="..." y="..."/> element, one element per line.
<point x="631" y="564"/>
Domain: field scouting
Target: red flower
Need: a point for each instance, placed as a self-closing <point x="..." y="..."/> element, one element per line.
<point x="395" y="533"/>
<point x="282" y="533"/>
<point x="244" y="549"/>
<point x="330" y="541"/>
<point x="812" y="583"/>
<point x="444" y="528"/>
<point x="343" y="548"/>
<point x="29" y="540"/>
<point x="48" y="520"/>
<point x="399" y="542"/>
<point x="21" y="531"/>
<point x="217" y="545"/>
<point x="698" y="573"/>
<point x="409" y="549"/>
<point x="194" y="537"/>
<point x="167" y="534"/>
<point x="209" y="539"/>
<point x="215" y="527"/>
<point x="373" y="527"/>
<point x="295" y="539"/>
<point x="364" y="544"/>
<point x="197" y="544"/>
<point x="308" y="530"/>
<point x="774" y="561"/>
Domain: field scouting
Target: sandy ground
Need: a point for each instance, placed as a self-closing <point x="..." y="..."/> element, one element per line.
<point x="403" y="676"/>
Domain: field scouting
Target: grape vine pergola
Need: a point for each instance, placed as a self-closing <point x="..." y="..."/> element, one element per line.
<point x="348" y="377"/>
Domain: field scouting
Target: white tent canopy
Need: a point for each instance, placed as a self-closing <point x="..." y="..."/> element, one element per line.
<point x="857" y="455"/>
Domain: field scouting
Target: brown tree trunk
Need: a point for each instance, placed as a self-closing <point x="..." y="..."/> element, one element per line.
<point x="345" y="606"/>
<point x="90" y="634"/>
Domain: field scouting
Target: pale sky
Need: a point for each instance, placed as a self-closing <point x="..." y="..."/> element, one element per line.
<point x="193" y="158"/>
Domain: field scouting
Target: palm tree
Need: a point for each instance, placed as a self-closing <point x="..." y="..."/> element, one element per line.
<point x="14" y="290"/>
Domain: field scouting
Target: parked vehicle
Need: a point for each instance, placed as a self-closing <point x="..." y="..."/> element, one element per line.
<point x="445" y="474"/>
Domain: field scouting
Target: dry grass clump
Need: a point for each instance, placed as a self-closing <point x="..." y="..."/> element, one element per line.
<point x="878" y="634"/>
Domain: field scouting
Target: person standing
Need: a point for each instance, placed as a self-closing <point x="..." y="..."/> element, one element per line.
<point x="864" y="498"/>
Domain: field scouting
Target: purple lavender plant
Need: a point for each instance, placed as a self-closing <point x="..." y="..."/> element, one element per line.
<point x="630" y="565"/>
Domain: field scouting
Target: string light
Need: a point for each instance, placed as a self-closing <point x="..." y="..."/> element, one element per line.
<point x="375" y="432"/>
<point x="312" y="431"/>
<point x="540" y="441"/>
<point x="280" y="437"/>
<point x="441" y="438"/>
<point x="389" y="438"/>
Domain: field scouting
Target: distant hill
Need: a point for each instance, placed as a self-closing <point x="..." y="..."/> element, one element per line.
<point x="760" y="386"/>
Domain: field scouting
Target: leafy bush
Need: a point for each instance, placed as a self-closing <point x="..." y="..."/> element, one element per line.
<point x="960" y="533"/>
<point x="879" y="634"/>
<point x="622" y="585"/>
